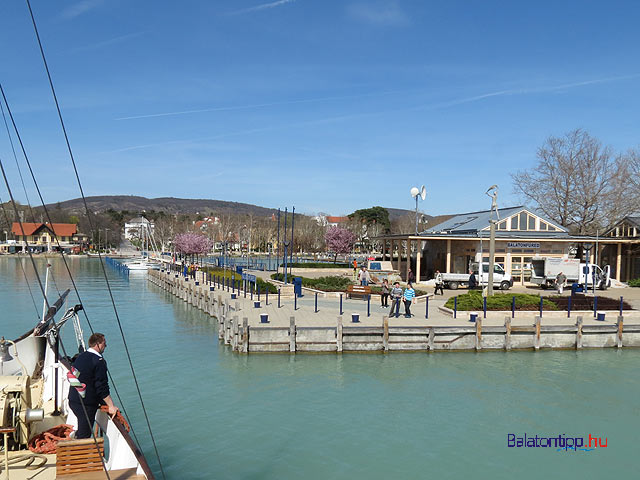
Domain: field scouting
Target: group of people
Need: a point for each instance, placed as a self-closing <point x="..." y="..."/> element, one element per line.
<point x="397" y="295"/>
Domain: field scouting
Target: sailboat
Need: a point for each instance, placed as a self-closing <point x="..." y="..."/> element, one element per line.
<point x="36" y="374"/>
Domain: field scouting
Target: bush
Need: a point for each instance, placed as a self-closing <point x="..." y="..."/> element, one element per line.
<point x="635" y="282"/>
<point x="500" y="301"/>
<point x="326" y="284"/>
<point x="316" y="265"/>
<point x="220" y="272"/>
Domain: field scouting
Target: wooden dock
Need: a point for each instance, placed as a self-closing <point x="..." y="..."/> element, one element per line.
<point x="291" y="329"/>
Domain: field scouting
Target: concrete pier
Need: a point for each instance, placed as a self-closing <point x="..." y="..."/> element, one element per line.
<point x="319" y="323"/>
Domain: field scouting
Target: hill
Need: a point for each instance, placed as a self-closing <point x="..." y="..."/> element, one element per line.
<point x="168" y="205"/>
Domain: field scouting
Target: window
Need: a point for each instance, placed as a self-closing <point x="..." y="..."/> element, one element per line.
<point x="532" y="223"/>
<point x="543" y="226"/>
<point x="502" y="225"/>
<point x="514" y="222"/>
<point x="523" y="221"/>
<point x="552" y="229"/>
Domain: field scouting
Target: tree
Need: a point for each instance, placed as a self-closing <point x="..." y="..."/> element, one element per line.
<point x="577" y="182"/>
<point x="339" y="240"/>
<point x="192" y="243"/>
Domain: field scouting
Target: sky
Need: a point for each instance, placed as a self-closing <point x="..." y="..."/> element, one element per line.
<point x="326" y="105"/>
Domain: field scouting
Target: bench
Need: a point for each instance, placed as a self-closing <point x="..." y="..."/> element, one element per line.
<point x="79" y="456"/>
<point x="358" y="290"/>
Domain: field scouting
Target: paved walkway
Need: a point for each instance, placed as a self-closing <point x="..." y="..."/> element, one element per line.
<point x="328" y="309"/>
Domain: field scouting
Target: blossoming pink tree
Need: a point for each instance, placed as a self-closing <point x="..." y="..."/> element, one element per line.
<point x="192" y="244"/>
<point x="339" y="240"/>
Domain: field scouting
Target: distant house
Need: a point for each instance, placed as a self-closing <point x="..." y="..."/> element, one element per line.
<point x="205" y="224"/>
<point x="137" y="227"/>
<point x="44" y="236"/>
<point x="329" y="221"/>
<point x="627" y="250"/>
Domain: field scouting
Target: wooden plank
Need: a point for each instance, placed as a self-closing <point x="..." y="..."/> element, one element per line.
<point x="385" y="334"/>
<point x="620" y="328"/>
<point x="507" y="334"/>
<point x="245" y="335"/>
<point x="579" y="333"/>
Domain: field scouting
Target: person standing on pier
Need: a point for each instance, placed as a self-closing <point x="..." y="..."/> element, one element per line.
<point x="561" y="280"/>
<point x="384" y="295"/>
<point x="396" y="295"/>
<point x="439" y="283"/>
<point x="91" y="371"/>
<point x="409" y="295"/>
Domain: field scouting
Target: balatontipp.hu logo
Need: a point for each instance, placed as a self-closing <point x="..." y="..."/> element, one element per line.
<point x="562" y="442"/>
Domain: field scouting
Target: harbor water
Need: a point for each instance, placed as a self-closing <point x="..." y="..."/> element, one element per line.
<point x="216" y="414"/>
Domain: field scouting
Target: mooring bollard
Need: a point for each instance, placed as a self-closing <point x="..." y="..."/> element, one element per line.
<point x="455" y="307"/>
<point x="484" y="307"/>
<point x="278" y="298"/>
<point x="473" y="317"/>
<point x="340" y="304"/>
<point x="620" y="306"/>
<point x="368" y="305"/>
<point x="316" y="310"/>
<point x="426" y="309"/>
<point x="264" y="318"/>
<point x="256" y="304"/>
<point x="355" y="318"/>
<point x="233" y="296"/>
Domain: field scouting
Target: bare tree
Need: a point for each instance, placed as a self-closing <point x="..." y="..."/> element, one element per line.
<point x="577" y="182"/>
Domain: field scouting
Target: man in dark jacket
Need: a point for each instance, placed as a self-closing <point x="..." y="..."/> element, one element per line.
<point x="91" y="370"/>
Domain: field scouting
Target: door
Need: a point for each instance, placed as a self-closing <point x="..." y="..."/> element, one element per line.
<point x="520" y="270"/>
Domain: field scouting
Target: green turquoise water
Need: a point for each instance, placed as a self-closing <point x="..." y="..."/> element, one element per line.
<point x="446" y="415"/>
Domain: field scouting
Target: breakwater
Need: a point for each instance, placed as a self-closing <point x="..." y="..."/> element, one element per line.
<point x="249" y="325"/>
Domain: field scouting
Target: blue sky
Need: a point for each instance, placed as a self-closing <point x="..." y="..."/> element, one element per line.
<point x="326" y="105"/>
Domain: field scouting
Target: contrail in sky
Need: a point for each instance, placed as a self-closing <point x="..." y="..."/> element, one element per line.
<point x="263" y="6"/>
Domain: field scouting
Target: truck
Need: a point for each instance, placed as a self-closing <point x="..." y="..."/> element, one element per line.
<point x="501" y="279"/>
<point x="544" y="271"/>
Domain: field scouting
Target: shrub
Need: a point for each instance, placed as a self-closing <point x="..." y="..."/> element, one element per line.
<point x="326" y="284"/>
<point x="635" y="282"/>
<point x="500" y="301"/>
<point x="316" y="265"/>
<point x="220" y="272"/>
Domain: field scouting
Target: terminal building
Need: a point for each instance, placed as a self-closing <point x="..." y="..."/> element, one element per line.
<point x="521" y="234"/>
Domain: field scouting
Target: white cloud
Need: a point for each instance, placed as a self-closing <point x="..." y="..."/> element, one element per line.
<point x="80" y="8"/>
<point x="264" y="6"/>
<point x="379" y="13"/>
<point x="106" y="43"/>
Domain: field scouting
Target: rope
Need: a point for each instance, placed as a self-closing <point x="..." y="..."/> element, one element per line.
<point x="47" y="442"/>
<point x="117" y="417"/>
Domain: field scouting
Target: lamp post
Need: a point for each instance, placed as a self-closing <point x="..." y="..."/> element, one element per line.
<point x="415" y="193"/>
<point x="493" y="193"/>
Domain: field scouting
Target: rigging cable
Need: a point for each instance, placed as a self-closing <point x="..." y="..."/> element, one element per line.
<point x="24" y="188"/>
<point x="24" y="272"/>
<point x="64" y="259"/>
<point x="46" y="210"/>
<point x="75" y="169"/>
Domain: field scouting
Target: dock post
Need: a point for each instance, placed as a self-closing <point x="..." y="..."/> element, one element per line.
<point x="340" y="304"/>
<point x="235" y="337"/>
<point x="478" y="334"/>
<point x="455" y="306"/>
<point x="595" y="307"/>
<point x="484" y="307"/>
<point x="569" y="306"/>
<point x="245" y="335"/>
<point x="579" y="333"/>
<point x="432" y="335"/>
<point x="536" y="343"/>
<point x="513" y="306"/>
<point x="278" y="298"/>
<point x="507" y="333"/>
<point x="385" y="334"/>
<point x="620" y="325"/>
<point x="426" y="309"/>
<point x="316" y="302"/>
<point x="266" y="296"/>
<point x="292" y="334"/>
<point x="339" y="335"/>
